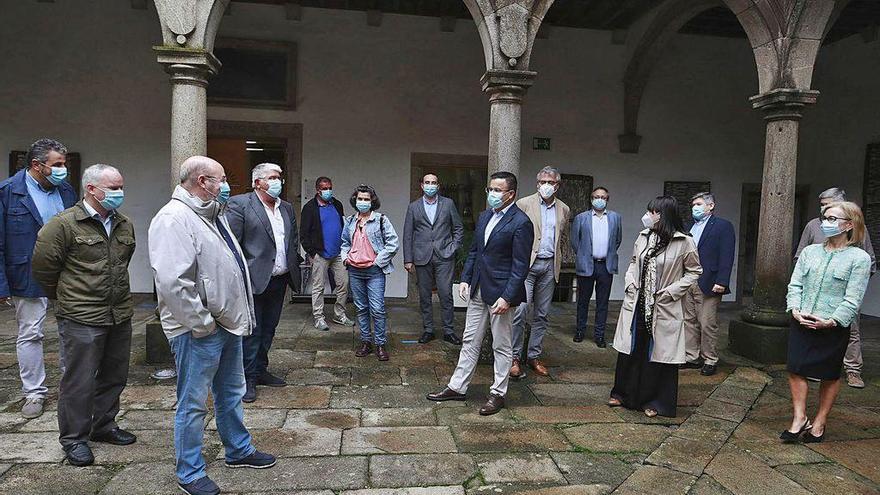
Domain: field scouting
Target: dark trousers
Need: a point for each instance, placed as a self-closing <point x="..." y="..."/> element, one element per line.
<point x="602" y="281"/>
<point x="95" y="373"/>
<point x="437" y="272"/>
<point x="267" y="309"/>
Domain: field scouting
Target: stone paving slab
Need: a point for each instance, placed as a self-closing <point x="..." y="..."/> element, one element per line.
<point x="519" y="468"/>
<point x="742" y="473"/>
<point x="399" y="440"/>
<point x="653" y="480"/>
<point x="319" y="376"/>
<point x="375" y="376"/>
<point x="509" y="438"/>
<point x="154" y="478"/>
<point x="148" y="397"/>
<point x="337" y="419"/>
<point x="381" y="396"/>
<point x="570" y="394"/>
<point x="290" y="359"/>
<point x="434" y="490"/>
<point x="520" y="489"/>
<point x="860" y="456"/>
<point x="723" y="410"/>
<point x="726" y="392"/>
<point x="338" y="359"/>
<point x="30" y="447"/>
<point x="519" y="394"/>
<point x="706" y="429"/>
<point x="565" y="414"/>
<point x="685" y="455"/>
<point x="297" y="442"/>
<point x="11" y="421"/>
<point x="151" y="446"/>
<point x="421" y="469"/>
<point x="422" y="416"/>
<point x="638" y="417"/>
<point x="418" y="375"/>
<point x="829" y="479"/>
<point x="48" y="421"/>
<point x="259" y="419"/>
<point x="458" y="415"/>
<point x="706" y="485"/>
<point x="583" y="375"/>
<point x="306" y="473"/>
<point x="54" y="479"/>
<point x="581" y="468"/>
<point x="291" y="397"/>
<point x="144" y="420"/>
<point x="615" y="437"/>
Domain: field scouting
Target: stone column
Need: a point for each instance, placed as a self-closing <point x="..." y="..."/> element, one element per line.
<point x="189" y="70"/>
<point x="506" y="89"/>
<point x="762" y="335"/>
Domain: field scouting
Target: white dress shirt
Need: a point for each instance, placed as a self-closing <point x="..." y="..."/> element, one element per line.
<point x="547" y="247"/>
<point x="277" y="221"/>
<point x="599" y="234"/>
<point x="106" y="222"/>
<point x="493" y="221"/>
<point x="698" y="227"/>
<point x="430" y="208"/>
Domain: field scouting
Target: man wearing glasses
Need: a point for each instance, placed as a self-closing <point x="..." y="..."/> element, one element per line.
<point x="852" y="361"/>
<point x="265" y="226"/>
<point x="493" y="283"/>
<point x="549" y="217"/>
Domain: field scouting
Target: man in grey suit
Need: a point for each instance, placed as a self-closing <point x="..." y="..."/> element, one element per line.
<point x="265" y="226"/>
<point x="432" y="234"/>
<point x="595" y="239"/>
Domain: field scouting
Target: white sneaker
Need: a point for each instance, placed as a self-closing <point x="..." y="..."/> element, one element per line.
<point x="320" y="324"/>
<point x="343" y="320"/>
<point x="32" y="408"/>
<point x="854" y="379"/>
<point x="166" y="374"/>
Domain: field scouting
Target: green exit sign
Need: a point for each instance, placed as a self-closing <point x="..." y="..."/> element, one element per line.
<point x="541" y="143"/>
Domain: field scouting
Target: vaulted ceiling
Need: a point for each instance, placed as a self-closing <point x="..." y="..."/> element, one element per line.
<point x="859" y="17"/>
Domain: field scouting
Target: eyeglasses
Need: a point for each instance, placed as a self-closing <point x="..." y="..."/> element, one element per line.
<point x="216" y="179"/>
<point x="834" y="219"/>
<point x="271" y="178"/>
<point x="495" y="189"/>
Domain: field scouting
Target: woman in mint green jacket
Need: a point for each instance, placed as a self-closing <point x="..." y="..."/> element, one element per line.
<point x="824" y="296"/>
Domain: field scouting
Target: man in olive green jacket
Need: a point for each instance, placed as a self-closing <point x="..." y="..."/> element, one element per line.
<point x="81" y="260"/>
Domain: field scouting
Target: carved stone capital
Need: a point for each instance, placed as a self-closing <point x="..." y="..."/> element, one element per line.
<point x="784" y="103"/>
<point x="188" y="65"/>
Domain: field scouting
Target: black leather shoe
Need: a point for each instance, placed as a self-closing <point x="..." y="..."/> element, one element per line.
<point x="600" y="342"/>
<point x="116" y="436"/>
<point x="792" y="437"/>
<point x="452" y="339"/>
<point x="250" y="392"/>
<point x="382" y="353"/>
<point x="270" y="380"/>
<point x="365" y="349"/>
<point x="493" y="405"/>
<point x="446" y="394"/>
<point x="810" y="438"/>
<point x="426" y="337"/>
<point x="691" y="365"/>
<point x="79" y="454"/>
<point x="708" y="370"/>
<point x="578" y="336"/>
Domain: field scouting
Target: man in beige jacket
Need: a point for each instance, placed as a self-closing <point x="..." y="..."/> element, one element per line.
<point x="549" y="217"/>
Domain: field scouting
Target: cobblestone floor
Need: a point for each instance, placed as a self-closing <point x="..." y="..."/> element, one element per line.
<point x="360" y="427"/>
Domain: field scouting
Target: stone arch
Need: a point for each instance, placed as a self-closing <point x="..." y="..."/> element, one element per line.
<point x="671" y="18"/>
<point x="507" y="30"/>
<point x="190" y="24"/>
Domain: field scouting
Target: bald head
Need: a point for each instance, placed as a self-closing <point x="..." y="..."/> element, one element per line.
<point x="201" y="176"/>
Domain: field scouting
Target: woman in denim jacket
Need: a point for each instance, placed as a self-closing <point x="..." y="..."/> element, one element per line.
<point x="369" y="243"/>
<point x="824" y="296"/>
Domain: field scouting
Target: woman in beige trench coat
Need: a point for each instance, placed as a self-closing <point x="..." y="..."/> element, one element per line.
<point x="650" y="335"/>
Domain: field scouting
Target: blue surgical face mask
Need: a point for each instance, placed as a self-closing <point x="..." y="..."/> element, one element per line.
<point x="599" y="203"/>
<point x="698" y="212"/>
<point x="58" y="175"/>
<point x="327" y="194"/>
<point x="495" y="199"/>
<point x="223" y="195"/>
<point x="430" y="189"/>
<point x="274" y="188"/>
<point x="363" y="206"/>
<point x="112" y="198"/>
<point x="831" y="229"/>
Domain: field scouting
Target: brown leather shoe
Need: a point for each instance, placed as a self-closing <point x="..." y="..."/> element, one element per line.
<point x="515" y="370"/>
<point x="365" y="349"/>
<point x="493" y="405"/>
<point x="539" y="367"/>
<point x="381" y="353"/>
<point x="446" y="394"/>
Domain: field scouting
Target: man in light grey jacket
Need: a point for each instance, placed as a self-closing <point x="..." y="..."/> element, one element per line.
<point x="206" y="306"/>
<point x="432" y="233"/>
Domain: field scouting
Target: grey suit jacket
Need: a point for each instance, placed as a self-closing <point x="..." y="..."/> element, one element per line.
<point x="251" y="226"/>
<point x="422" y="240"/>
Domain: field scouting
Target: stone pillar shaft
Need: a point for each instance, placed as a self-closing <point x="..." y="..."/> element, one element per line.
<point x="506" y="90"/>
<point x="783" y="110"/>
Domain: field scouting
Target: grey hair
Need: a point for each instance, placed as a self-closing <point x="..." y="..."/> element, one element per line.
<point x="548" y="170"/>
<point x="835" y="193"/>
<point x="262" y="169"/>
<point x="705" y="196"/>
<point x="194" y="166"/>
<point x="39" y="151"/>
<point x="93" y="174"/>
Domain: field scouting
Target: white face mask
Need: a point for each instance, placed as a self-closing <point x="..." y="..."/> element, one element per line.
<point x="648" y="220"/>
<point x="546" y="190"/>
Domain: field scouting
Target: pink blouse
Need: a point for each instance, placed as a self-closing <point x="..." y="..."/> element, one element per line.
<point x="362" y="254"/>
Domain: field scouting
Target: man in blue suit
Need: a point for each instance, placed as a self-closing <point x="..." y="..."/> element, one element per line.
<point x="595" y="239"/>
<point x="716" y="243"/>
<point x="493" y="283"/>
<point x="28" y="200"/>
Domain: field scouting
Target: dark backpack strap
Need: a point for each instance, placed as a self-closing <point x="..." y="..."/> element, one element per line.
<point x="382" y="227"/>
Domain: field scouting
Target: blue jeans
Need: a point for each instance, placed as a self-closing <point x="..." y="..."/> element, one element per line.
<point x="601" y="279"/>
<point x="267" y="309"/>
<point x="209" y="362"/>
<point x="368" y="288"/>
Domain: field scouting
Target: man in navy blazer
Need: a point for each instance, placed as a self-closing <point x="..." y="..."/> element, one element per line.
<point x="28" y="200"/>
<point x="716" y="243"/>
<point x="595" y="239"/>
<point x="265" y="226"/>
<point x="493" y="282"/>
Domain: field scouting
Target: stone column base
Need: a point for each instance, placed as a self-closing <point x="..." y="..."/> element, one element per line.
<point x="761" y="343"/>
<point x="158" y="349"/>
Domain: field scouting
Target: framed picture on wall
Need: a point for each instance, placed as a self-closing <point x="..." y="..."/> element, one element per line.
<point x="260" y="74"/>
<point x="18" y="161"/>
